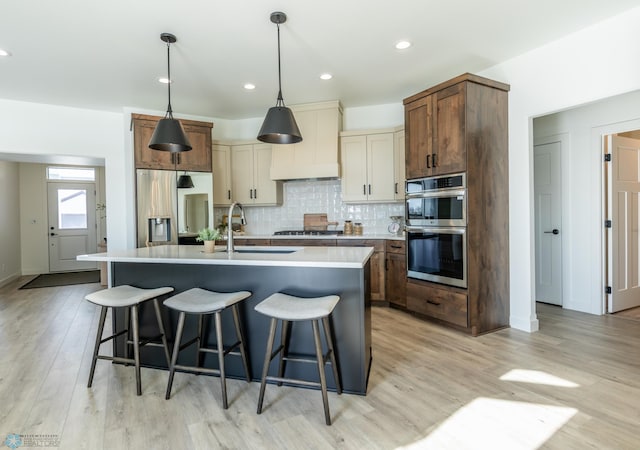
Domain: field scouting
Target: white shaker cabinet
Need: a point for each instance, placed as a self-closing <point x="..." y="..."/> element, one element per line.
<point x="250" y="180"/>
<point x="367" y="166"/>
<point x="221" y="161"/>
<point x="399" y="165"/>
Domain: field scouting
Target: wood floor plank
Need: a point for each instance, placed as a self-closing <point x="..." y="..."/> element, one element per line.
<point x="573" y="384"/>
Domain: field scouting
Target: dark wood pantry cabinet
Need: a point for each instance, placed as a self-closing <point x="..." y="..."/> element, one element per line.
<point x="460" y="126"/>
<point x="198" y="159"/>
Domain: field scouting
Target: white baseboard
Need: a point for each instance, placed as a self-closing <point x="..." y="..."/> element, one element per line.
<point x="524" y="324"/>
<point x="9" y="279"/>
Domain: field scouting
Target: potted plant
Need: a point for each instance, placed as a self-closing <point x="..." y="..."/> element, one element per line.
<point x="208" y="236"/>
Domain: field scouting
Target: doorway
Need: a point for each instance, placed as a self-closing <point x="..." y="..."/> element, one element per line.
<point x="71" y="208"/>
<point x="622" y="187"/>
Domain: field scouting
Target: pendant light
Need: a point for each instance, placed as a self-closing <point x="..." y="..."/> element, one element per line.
<point x="169" y="136"/>
<point x="185" y="181"/>
<point x="279" y="126"/>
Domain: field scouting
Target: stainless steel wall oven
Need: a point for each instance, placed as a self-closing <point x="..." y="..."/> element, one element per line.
<point x="436" y="215"/>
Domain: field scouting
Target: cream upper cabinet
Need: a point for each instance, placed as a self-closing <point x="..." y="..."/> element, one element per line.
<point x="251" y="185"/>
<point x="317" y="155"/>
<point x="367" y="167"/>
<point x="399" y="165"/>
<point x="221" y="162"/>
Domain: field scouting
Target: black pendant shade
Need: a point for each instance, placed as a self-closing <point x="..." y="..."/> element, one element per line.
<point x="185" y="181"/>
<point x="279" y="126"/>
<point x="169" y="136"/>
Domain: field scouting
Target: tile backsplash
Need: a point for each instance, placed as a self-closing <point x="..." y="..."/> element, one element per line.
<point x="324" y="196"/>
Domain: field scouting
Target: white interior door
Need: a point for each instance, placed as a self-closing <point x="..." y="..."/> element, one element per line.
<point x="624" y="187"/>
<point x="548" y="217"/>
<point x="72" y="225"/>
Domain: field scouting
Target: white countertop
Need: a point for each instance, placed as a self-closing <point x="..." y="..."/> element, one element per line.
<point x="332" y="257"/>
<point x="386" y="236"/>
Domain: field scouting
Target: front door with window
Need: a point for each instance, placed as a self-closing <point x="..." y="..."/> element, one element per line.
<point x="72" y="225"/>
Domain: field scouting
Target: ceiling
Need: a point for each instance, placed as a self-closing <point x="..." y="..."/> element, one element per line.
<point x="108" y="55"/>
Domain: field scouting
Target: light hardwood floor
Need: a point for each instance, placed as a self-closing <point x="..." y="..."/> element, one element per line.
<point x="573" y="384"/>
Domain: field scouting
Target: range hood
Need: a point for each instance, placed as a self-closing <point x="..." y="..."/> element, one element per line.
<point x="317" y="156"/>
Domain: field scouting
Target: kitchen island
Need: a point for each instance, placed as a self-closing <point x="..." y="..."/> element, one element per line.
<point x="299" y="271"/>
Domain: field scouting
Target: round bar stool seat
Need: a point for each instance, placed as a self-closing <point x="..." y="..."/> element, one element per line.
<point x="203" y="302"/>
<point x="129" y="297"/>
<point x="286" y="309"/>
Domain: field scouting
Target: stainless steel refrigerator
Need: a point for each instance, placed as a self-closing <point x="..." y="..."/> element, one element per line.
<point x="157" y="207"/>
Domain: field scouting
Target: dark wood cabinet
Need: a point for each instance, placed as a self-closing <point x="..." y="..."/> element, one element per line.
<point x="469" y="134"/>
<point x="304" y="242"/>
<point x="377" y="262"/>
<point x="198" y="159"/>
<point x="396" y="273"/>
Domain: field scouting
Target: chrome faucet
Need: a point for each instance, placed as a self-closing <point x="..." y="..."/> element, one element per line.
<point x="243" y="221"/>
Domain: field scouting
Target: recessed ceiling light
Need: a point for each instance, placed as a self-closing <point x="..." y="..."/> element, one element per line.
<point x="4" y="52"/>
<point x="249" y="86"/>
<point x="164" y="80"/>
<point x="403" y="44"/>
<point x="326" y="76"/>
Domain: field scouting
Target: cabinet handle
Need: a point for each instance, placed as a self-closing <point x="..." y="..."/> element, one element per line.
<point x="250" y="193"/>
<point x="396" y="246"/>
<point x="255" y="193"/>
<point x="364" y="189"/>
<point x="395" y="188"/>
<point x="431" y="302"/>
<point x="229" y="194"/>
<point x="428" y="164"/>
<point x="369" y="189"/>
<point x="434" y="159"/>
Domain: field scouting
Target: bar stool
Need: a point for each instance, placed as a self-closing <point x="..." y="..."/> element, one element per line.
<point x="203" y="302"/>
<point x="128" y="297"/>
<point x="288" y="308"/>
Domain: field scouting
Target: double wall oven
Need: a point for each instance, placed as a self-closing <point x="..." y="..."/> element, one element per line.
<point x="436" y="229"/>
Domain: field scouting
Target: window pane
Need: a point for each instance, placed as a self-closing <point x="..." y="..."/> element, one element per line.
<point x="71" y="173"/>
<point x="72" y="208"/>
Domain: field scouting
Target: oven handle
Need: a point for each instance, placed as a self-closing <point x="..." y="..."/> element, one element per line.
<point x="440" y="193"/>
<point x="447" y="230"/>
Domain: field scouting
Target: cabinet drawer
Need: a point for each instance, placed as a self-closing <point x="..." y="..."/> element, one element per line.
<point x="396" y="247"/>
<point x="442" y="304"/>
<point x="251" y="242"/>
<point x="377" y="244"/>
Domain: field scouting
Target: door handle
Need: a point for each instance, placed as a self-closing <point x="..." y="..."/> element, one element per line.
<point x="54" y="234"/>
<point x="554" y="231"/>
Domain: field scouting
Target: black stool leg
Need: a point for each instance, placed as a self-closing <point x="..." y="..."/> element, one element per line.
<point x="240" y="334"/>
<point x="156" y="306"/>
<point x="267" y="361"/>
<point x="323" y="380"/>
<point x="103" y="317"/>
<point x="284" y="342"/>
<point x="200" y="337"/>
<point x="174" y="355"/>
<point x="223" y="381"/>
<point x="127" y="340"/>
<point x="327" y="333"/>
<point x="136" y="347"/>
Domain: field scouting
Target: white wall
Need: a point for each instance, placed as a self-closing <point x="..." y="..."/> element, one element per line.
<point x="580" y="68"/>
<point x="9" y="223"/>
<point x="34" y="243"/>
<point x="584" y="166"/>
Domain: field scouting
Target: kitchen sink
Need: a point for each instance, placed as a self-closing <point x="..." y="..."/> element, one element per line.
<point x="250" y="250"/>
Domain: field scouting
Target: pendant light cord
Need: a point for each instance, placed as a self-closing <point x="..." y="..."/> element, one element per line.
<point x="169" y="113"/>
<point x="280" y="101"/>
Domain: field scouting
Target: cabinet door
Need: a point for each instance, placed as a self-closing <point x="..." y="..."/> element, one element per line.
<point x="242" y="173"/>
<point x="146" y="158"/>
<point x="449" y="145"/>
<point x="396" y="282"/>
<point x="399" y="165"/>
<point x="418" y="128"/>
<point x="265" y="190"/>
<point x="380" y="172"/>
<point x="198" y="159"/>
<point x="353" y="154"/>
<point x="221" y="157"/>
